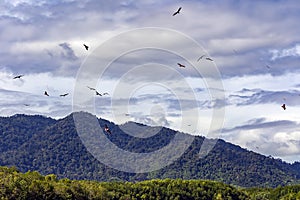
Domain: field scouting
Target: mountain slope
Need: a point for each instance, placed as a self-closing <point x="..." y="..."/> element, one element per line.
<point x="53" y="146"/>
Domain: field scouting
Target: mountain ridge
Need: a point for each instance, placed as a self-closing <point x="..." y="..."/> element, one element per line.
<point x="53" y="147"/>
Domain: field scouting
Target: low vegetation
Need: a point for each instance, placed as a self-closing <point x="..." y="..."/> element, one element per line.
<point x="32" y="185"/>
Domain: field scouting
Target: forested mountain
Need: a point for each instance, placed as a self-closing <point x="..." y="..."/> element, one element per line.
<point x="52" y="146"/>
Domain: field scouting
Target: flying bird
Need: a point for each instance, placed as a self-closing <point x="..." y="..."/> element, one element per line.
<point x="106" y="129"/>
<point x="91" y="88"/>
<point x="177" y="12"/>
<point x="63" y="95"/>
<point x="97" y="93"/>
<point x="86" y="47"/>
<point x="180" y="65"/>
<point x="19" y="76"/>
<point x="46" y="93"/>
<point x="283" y="106"/>
<point x="200" y="57"/>
<point x="209" y="59"/>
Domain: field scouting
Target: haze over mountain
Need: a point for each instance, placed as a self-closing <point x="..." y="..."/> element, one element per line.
<point x="53" y="146"/>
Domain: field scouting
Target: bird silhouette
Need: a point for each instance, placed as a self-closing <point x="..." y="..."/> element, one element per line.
<point x="106" y="129"/>
<point x="97" y="93"/>
<point x="86" y="47"/>
<point x="46" y="93"/>
<point x="91" y="88"/>
<point x="180" y="65"/>
<point x="177" y="12"/>
<point x="200" y="57"/>
<point x="19" y="76"/>
<point x="209" y="59"/>
<point x="283" y="106"/>
<point x="63" y="95"/>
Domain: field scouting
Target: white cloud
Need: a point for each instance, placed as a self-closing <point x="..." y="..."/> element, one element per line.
<point x="289" y="52"/>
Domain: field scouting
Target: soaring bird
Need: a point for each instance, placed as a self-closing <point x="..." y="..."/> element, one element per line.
<point x="63" y="95"/>
<point x="46" y="93"/>
<point x="180" y="65"/>
<point x="177" y="12"/>
<point x="106" y="129"/>
<point x="97" y="93"/>
<point x="91" y="88"/>
<point x="283" y="106"/>
<point x="86" y="47"/>
<point x="201" y="57"/>
<point x="19" y="76"/>
<point x="209" y="59"/>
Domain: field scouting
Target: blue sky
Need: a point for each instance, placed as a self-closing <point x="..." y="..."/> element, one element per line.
<point x="255" y="46"/>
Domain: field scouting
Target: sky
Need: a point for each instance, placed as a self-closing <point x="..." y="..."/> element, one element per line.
<point x="134" y="48"/>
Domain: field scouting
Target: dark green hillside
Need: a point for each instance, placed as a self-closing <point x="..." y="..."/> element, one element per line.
<point x="230" y="164"/>
<point x="53" y="147"/>
<point x="18" y="129"/>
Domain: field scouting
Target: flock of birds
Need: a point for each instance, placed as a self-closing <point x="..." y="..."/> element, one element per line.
<point x="210" y="59"/>
<point x="106" y="128"/>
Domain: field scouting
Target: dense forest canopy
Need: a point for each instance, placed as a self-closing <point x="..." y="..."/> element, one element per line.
<point x="50" y="146"/>
<point x="32" y="185"/>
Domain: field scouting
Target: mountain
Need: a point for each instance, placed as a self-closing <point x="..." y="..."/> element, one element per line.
<point x="50" y="146"/>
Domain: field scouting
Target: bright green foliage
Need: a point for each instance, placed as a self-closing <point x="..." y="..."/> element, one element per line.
<point x="32" y="185"/>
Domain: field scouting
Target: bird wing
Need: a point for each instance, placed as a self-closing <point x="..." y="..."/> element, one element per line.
<point x="180" y="65"/>
<point x="200" y="57"/>
<point x="19" y="76"/>
<point x="91" y="88"/>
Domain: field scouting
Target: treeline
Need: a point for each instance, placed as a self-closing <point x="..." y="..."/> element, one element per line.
<point x="32" y="185"/>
